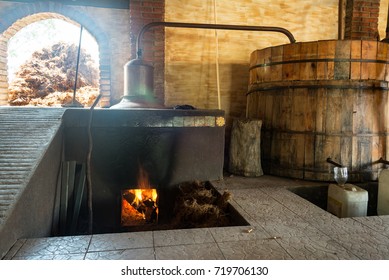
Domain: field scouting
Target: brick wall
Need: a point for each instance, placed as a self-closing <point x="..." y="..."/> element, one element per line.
<point x="362" y="19"/>
<point x="153" y="44"/>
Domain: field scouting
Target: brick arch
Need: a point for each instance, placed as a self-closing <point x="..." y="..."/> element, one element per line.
<point x="15" y="18"/>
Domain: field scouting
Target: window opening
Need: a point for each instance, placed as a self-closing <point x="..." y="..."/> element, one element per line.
<point x="42" y="59"/>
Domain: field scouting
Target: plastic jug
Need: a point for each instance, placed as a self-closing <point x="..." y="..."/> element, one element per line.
<point x="347" y="201"/>
<point x="383" y="193"/>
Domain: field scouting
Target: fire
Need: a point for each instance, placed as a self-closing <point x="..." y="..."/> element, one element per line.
<point x="139" y="205"/>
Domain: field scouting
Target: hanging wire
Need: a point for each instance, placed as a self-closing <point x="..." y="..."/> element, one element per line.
<point x="217" y="58"/>
<point x="88" y="166"/>
<point x="74" y="102"/>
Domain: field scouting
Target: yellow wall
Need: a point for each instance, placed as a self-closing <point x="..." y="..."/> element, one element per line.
<point x="382" y="21"/>
<point x="190" y="53"/>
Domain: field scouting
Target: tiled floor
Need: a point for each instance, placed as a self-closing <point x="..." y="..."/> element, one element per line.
<point x="282" y="226"/>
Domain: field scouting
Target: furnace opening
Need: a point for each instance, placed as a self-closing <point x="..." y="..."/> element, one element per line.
<point x="139" y="206"/>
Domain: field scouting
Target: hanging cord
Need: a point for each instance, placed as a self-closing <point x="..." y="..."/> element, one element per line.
<point x="77" y="65"/>
<point x="74" y="102"/>
<point x="219" y="106"/>
<point x="88" y="166"/>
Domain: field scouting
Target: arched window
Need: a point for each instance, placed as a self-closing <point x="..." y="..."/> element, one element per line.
<point x="16" y="17"/>
<point x="42" y="64"/>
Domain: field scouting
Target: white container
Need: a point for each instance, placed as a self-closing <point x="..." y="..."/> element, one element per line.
<point x="347" y="201"/>
<point x="383" y="193"/>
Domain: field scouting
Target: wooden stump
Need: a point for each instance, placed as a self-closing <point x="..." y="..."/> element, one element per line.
<point x="245" y="148"/>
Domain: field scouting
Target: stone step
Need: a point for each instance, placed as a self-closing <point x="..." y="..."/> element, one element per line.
<point x="25" y="133"/>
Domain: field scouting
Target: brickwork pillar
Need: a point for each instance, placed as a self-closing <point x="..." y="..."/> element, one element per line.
<point x="362" y="20"/>
<point x="3" y="71"/>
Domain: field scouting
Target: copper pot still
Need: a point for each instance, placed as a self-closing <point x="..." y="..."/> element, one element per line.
<point x="138" y="86"/>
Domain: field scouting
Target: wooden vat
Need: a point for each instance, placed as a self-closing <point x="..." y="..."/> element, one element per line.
<point x="319" y="100"/>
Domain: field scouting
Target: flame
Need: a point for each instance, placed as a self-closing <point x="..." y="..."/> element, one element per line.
<point x="142" y="200"/>
<point x="143" y="179"/>
<point x="154" y="195"/>
<point x="138" y="194"/>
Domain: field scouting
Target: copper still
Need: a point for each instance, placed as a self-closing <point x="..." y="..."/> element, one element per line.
<point x="139" y="75"/>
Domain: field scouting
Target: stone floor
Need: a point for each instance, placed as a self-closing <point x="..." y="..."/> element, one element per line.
<point x="282" y="226"/>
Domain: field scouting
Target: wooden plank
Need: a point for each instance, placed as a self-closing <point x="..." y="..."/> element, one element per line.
<point x="276" y="56"/>
<point x="320" y="118"/>
<point x="68" y="173"/>
<point x="325" y="50"/>
<point x="364" y="153"/>
<point x="298" y="109"/>
<point x="290" y="71"/>
<point x="382" y="54"/>
<point x="355" y="158"/>
<point x="342" y="68"/>
<point x="286" y="159"/>
<point x="258" y="60"/>
<point x="78" y="194"/>
<point x="330" y="147"/>
<point x="253" y="58"/>
<point x="253" y="72"/>
<point x="267" y="68"/>
<point x="308" y="70"/>
<point x="376" y="150"/>
<point x="267" y="120"/>
<point x="277" y="109"/>
<point x="346" y="110"/>
<point x="310" y="110"/>
<point x="284" y="115"/>
<point x="333" y="122"/>
<point x="383" y="108"/>
<point x="346" y="151"/>
<point x="366" y="119"/>
<point x="369" y="52"/>
<point x="356" y="53"/>
<point x="309" y="152"/>
<point x="387" y="68"/>
<point x="261" y="105"/>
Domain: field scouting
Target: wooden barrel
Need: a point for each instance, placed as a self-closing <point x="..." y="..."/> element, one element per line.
<point x="319" y="100"/>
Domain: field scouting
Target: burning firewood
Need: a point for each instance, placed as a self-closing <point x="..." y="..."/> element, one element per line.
<point x="139" y="207"/>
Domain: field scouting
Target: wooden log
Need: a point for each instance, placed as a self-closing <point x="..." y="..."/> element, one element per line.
<point x="245" y="148"/>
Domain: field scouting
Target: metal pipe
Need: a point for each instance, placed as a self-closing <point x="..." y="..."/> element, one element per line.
<point x="210" y="26"/>
<point x="341" y="23"/>
<point x="381" y="160"/>
<point x="329" y="160"/>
